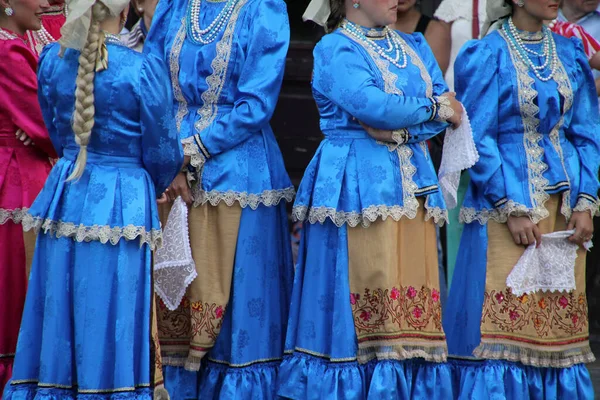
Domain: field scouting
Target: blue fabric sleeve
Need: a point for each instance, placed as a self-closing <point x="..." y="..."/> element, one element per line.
<point x="583" y="130"/>
<point x="155" y="41"/>
<point x="260" y="80"/>
<point x="161" y="149"/>
<point x="476" y="82"/>
<point x="343" y="74"/>
<point x="44" y="96"/>
<point x="427" y="130"/>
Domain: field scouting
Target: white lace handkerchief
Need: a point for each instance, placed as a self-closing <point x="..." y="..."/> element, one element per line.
<point x="458" y="155"/>
<point x="548" y="268"/>
<point x="174" y="267"/>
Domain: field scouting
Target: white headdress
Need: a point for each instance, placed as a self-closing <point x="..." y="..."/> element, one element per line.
<point x="496" y="11"/>
<point x="318" y="11"/>
<point x="74" y="32"/>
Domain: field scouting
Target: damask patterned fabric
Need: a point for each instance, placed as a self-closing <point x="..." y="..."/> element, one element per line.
<point x="366" y="180"/>
<point x="538" y="150"/>
<point x="86" y="325"/>
<point x="224" y="101"/>
<point x="23" y="171"/>
<point x="133" y="154"/>
<point x="550" y="143"/>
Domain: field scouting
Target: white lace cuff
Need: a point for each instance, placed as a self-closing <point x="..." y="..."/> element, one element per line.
<point x="587" y="203"/>
<point x="443" y="110"/>
<point x="174" y="267"/>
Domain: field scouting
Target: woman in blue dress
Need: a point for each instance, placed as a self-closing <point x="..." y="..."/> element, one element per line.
<point x="86" y="328"/>
<point x="365" y="319"/>
<point x="225" y="340"/>
<point x="531" y="99"/>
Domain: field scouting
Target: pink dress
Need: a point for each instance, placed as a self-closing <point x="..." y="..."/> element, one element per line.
<point x="23" y="171"/>
<point x="52" y="20"/>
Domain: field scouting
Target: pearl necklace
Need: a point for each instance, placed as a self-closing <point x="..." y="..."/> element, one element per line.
<point x="394" y="43"/>
<point x="43" y="36"/>
<point x="112" y="39"/>
<point x="210" y="33"/>
<point x="7" y="35"/>
<point x="550" y="54"/>
<point x="545" y="41"/>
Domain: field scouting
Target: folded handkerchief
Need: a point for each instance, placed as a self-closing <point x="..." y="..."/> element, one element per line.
<point x="548" y="268"/>
<point x="174" y="267"/>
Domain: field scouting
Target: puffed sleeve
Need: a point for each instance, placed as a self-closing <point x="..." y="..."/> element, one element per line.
<point x="476" y="82"/>
<point x="162" y="150"/>
<point x="19" y="84"/>
<point x="44" y="94"/>
<point x="259" y="83"/>
<point x="343" y="75"/>
<point x="427" y="130"/>
<point x="584" y="132"/>
<point x="155" y="41"/>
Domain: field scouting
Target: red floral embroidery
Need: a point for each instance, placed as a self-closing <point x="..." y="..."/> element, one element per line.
<point x="547" y="312"/>
<point x="417" y="310"/>
<point x="219" y="312"/>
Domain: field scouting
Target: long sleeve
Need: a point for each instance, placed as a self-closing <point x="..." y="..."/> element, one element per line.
<point x="476" y="80"/>
<point x="44" y="96"/>
<point x="259" y="83"/>
<point x="584" y="131"/>
<point x="429" y="129"/>
<point x="155" y="41"/>
<point x="342" y="74"/>
<point x="19" y="84"/>
<point x="162" y="150"/>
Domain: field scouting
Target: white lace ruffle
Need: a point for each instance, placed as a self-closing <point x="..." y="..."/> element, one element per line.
<point x="102" y="234"/>
<point x="267" y="198"/>
<point x="366" y="217"/>
<point x="583" y="205"/>
<point x="459" y="154"/>
<point x="15" y="215"/>
<point x="501" y="214"/>
<point x="548" y="268"/>
<point x="174" y="267"/>
<point x="451" y="10"/>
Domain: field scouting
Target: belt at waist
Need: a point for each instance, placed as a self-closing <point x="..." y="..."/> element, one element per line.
<point x="349" y="134"/>
<point x="105" y="159"/>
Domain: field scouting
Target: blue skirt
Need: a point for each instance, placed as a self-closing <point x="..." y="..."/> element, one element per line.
<point x="495" y="379"/>
<point x="321" y="343"/>
<point x="245" y="360"/>
<point x="85" y="331"/>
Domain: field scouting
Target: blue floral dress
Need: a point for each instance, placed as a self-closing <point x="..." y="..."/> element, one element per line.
<point x="86" y="329"/>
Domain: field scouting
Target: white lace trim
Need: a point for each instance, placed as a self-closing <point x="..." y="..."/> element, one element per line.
<point x="15" y="215"/>
<point x="182" y="109"/>
<point x="174" y="267"/>
<point x="451" y="10"/>
<point x="583" y="205"/>
<point x="100" y="233"/>
<point x="366" y="217"/>
<point x="267" y="198"/>
<point x="500" y="214"/>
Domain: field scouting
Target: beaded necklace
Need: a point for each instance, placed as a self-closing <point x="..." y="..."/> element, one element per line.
<point x="394" y="44"/>
<point x="549" y="53"/>
<point x="209" y="34"/>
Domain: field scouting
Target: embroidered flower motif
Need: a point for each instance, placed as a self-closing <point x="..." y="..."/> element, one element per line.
<point x="219" y="312"/>
<point x="417" y="312"/>
<point x="563" y="302"/>
<point x="411" y="292"/>
<point x="574" y="318"/>
<point x="542" y="304"/>
<point x="197" y="306"/>
<point x="365" y="316"/>
<point x="394" y="294"/>
<point x="513" y="315"/>
<point x="581" y="299"/>
<point x="524" y="299"/>
<point x="499" y="297"/>
<point x="435" y="295"/>
<point x="354" y="297"/>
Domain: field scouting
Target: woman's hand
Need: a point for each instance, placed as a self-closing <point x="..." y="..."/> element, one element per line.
<point x="22" y="136"/>
<point x="456" y="119"/>
<point x="524" y="231"/>
<point x="179" y="187"/>
<point x="378" y="134"/>
<point x="582" y="222"/>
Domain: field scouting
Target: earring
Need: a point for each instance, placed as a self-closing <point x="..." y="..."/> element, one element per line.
<point x="356" y="4"/>
<point x="141" y="10"/>
<point x="520" y="3"/>
<point x="9" y="11"/>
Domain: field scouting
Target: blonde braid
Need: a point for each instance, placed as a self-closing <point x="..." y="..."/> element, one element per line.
<point x="83" y="116"/>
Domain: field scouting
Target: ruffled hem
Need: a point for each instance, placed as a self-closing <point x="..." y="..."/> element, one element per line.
<point x="103" y="234"/>
<point x="219" y="381"/>
<point x="490" y="379"/>
<point x="268" y="198"/>
<point x="536" y="358"/>
<point x="32" y="391"/>
<point x="469" y="214"/>
<point x="365" y="217"/>
<point x="15" y="215"/>
<point x="303" y="376"/>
